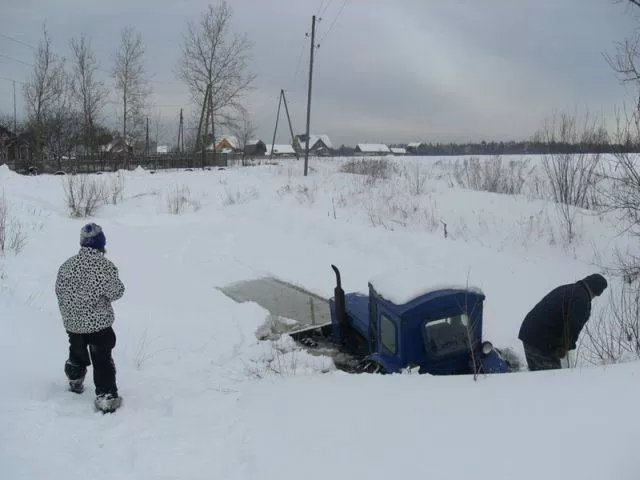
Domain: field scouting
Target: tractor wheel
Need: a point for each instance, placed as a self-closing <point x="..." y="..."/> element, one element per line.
<point x="370" y="366"/>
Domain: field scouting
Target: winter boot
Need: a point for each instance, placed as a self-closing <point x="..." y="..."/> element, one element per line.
<point x="75" y="374"/>
<point x="108" y="402"/>
<point x="76" y="386"/>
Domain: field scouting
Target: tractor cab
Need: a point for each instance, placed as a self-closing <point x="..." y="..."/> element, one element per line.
<point x="435" y="328"/>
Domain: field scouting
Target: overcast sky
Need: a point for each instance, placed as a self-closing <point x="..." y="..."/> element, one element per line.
<point x="387" y="71"/>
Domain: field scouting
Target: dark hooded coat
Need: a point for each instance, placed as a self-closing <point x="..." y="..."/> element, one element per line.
<point x="554" y="324"/>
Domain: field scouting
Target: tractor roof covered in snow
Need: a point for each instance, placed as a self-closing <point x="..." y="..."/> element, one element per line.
<point x="403" y="285"/>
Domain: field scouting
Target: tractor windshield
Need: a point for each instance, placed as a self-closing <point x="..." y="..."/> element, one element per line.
<point x="447" y="335"/>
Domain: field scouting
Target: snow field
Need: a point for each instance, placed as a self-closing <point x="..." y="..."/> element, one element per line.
<point x="204" y="398"/>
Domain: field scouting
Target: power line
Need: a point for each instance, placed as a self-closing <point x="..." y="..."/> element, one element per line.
<point x="11" y="80"/>
<point x="299" y="64"/>
<point x="16" y="60"/>
<point x="100" y="69"/>
<point x="344" y="4"/>
<point x="15" y="40"/>
<point x="325" y="8"/>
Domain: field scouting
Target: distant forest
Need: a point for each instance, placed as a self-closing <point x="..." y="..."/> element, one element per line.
<point x="507" y="148"/>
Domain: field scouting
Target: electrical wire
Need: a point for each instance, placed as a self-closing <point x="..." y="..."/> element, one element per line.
<point x="299" y="64"/>
<point x="325" y="8"/>
<point x="15" y="59"/>
<point x="103" y="70"/>
<point x="15" y="40"/>
<point x="11" y="80"/>
<point x="335" y="19"/>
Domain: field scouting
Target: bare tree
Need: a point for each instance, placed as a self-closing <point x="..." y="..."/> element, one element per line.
<point x="572" y="175"/>
<point x="131" y="82"/>
<point x="614" y="335"/>
<point x="631" y="2"/>
<point x="244" y="130"/>
<point x="625" y="60"/>
<point x="88" y="93"/>
<point x="571" y="167"/>
<point x="44" y="91"/>
<point x="215" y="59"/>
<point x="159" y="128"/>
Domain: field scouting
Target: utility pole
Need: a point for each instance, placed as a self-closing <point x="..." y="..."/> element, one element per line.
<point x="273" y="142"/>
<point x="283" y="99"/>
<point x="146" y="148"/>
<point x="313" y="46"/>
<point x="15" y="117"/>
<point x="293" y="138"/>
<point x="213" y="127"/>
<point x="181" y="133"/>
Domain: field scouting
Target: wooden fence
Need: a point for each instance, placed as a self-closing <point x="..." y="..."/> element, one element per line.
<point x="106" y="162"/>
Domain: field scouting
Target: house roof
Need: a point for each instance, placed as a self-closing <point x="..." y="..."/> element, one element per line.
<point x="398" y="150"/>
<point x="314" y="139"/>
<point x="280" y="149"/>
<point x="5" y="131"/>
<point x="232" y="139"/>
<point x="373" y="147"/>
<point x="117" y="144"/>
<point x="414" y="144"/>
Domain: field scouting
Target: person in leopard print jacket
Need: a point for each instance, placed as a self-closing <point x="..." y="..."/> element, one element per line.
<point x="86" y="285"/>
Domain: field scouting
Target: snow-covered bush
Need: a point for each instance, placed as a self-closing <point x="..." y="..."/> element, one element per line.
<point x="12" y="234"/>
<point x="493" y="175"/>
<point x="572" y="176"/>
<point x="239" y="196"/>
<point x="83" y="194"/>
<point x="613" y="335"/>
<point x="373" y="169"/>
<point x="178" y="198"/>
<point x="114" y="192"/>
<point x="281" y="357"/>
<point x="416" y="177"/>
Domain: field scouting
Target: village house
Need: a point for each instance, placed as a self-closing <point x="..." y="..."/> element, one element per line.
<point x="13" y="148"/>
<point x="227" y="144"/>
<point x="413" y="147"/>
<point x="372" y="149"/>
<point x="319" y="145"/>
<point x="255" y="148"/>
<point x="281" y="151"/>
<point x="398" y="150"/>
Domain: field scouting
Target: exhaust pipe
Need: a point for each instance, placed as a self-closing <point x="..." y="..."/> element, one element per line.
<point x="341" y="311"/>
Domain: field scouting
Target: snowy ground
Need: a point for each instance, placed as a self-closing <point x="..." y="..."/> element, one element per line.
<point x="203" y="398"/>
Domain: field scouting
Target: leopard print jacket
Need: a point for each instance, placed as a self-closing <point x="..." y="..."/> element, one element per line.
<point x="86" y="285"/>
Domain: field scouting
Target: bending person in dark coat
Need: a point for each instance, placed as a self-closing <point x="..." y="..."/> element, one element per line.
<point x="552" y="327"/>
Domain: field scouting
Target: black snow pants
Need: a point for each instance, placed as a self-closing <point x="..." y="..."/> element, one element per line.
<point x="539" y="360"/>
<point x="88" y="348"/>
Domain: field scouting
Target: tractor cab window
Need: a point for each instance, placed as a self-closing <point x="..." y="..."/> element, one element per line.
<point x="447" y="335"/>
<point x="388" y="334"/>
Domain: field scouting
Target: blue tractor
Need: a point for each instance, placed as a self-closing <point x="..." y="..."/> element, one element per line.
<point x="438" y="331"/>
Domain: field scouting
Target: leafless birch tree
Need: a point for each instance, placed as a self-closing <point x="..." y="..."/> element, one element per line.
<point x="214" y="57"/>
<point x="245" y="130"/>
<point x="88" y="93"/>
<point x="131" y="82"/>
<point x="44" y="92"/>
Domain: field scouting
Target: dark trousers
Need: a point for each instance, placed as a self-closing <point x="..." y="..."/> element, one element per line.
<point x="88" y="348"/>
<point x="539" y="360"/>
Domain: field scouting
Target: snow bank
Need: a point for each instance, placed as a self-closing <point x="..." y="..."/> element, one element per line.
<point x="522" y="425"/>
